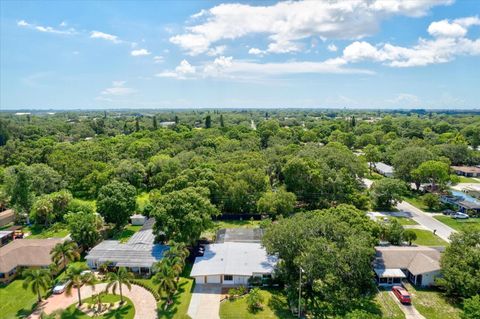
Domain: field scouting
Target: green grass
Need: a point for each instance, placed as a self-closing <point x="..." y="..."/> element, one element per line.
<point x="427" y="238"/>
<point x="127" y="311"/>
<point x="404" y="221"/>
<point x="56" y="230"/>
<point x="142" y="200"/>
<point x="127" y="232"/>
<point x="432" y="304"/>
<point x="417" y="202"/>
<point x="460" y="224"/>
<point x="274" y="306"/>
<point x="210" y="233"/>
<point x="16" y="302"/>
<point x="388" y="308"/>
<point x="463" y="179"/>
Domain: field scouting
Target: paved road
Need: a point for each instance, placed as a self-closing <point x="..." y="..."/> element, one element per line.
<point x="142" y="299"/>
<point x="426" y="220"/>
<point x="205" y="302"/>
<point x="409" y="310"/>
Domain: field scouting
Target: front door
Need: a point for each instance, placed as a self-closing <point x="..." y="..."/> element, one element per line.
<point x="419" y="280"/>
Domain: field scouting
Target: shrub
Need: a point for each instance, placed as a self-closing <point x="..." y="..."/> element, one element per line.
<point x="254" y="300"/>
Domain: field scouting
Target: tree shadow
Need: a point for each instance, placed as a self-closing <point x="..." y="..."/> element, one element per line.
<point x="171" y="311"/>
<point x="118" y="313"/>
<point x="279" y="305"/>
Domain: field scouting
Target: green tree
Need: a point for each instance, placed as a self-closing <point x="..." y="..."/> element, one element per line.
<point x="408" y="159"/>
<point x="434" y="172"/>
<point x="183" y="215"/>
<point x="132" y="172"/>
<point x="116" y="202"/>
<point x="64" y="253"/>
<point x="84" y="228"/>
<point x="38" y="280"/>
<point x="431" y="200"/>
<point x="21" y="195"/>
<point x="165" y="279"/>
<point x="154" y="122"/>
<point x="75" y="279"/>
<point x="277" y="203"/>
<point x="208" y="121"/>
<point x="122" y="277"/>
<point x="361" y="314"/>
<point x="387" y="192"/>
<point x="372" y="155"/>
<point x="222" y="123"/>
<point x="254" y="300"/>
<point x="395" y="234"/>
<point x="409" y="235"/>
<point x="471" y="308"/>
<point x="44" y="179"/>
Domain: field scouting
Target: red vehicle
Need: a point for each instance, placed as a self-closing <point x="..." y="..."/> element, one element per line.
<point x="402" y="294"/>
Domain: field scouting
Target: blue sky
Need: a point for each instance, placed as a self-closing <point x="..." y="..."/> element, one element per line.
<point x="187" y="54"/>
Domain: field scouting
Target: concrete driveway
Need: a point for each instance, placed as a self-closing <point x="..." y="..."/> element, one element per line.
<point x="205" y="302"/>
<point x="409" y="310"/>
<point x="143" y="301"/>
<point x="427" y="220"/>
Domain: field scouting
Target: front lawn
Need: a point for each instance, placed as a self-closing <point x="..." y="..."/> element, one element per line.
<point x="127" y="232"/>
<point x="274" y="306"/>
<point x="57" y="230"/>
<point x="432" y="304"/>
<point x="126" y="311"/>
<point x="404" y="221"/>
<point x="460" y="224"/>
<point x="417" y="201"/>
<point x="388" y="308"/>
<point x="427" y="238"/>
<point x="16" y="302"/>
<point x="463" y="179"/>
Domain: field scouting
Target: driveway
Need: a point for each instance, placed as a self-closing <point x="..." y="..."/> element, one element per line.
<point x="205" y="302"/>
<point x="143" y="301"/>
<point x="426" y="220"/>
<point x="409" y="310"/>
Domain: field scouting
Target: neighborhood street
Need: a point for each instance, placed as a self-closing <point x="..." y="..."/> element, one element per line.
<point x="426" y="220"/>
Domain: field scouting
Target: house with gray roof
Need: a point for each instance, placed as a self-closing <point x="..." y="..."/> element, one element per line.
<point x="419" y="264"/>
<point x="383" y="169"/>
<point x="138" y="254"/>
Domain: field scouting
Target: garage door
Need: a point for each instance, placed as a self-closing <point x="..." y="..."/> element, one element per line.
<point x="212" y="279"/>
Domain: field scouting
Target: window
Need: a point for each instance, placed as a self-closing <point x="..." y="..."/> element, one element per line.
<point x="2" y="275"/>
<point x="228" y="277"/>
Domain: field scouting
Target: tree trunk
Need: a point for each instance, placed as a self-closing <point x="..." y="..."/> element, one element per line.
<point x="121" y="294"/>
<point x="39" y="296"/>
<point x="79" y="296"/>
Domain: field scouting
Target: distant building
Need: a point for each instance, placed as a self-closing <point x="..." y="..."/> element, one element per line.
<point x="471" y="208"/>
<point x="166" y="124"/>
<point x="138" y="220"/>
<point x="138" y="254"/>
<point x="6" y="236"/>
<point x="419" y="264"/>
<point x="25" y="253"/>
<point x="467" y="171"/>
<point x="7" y="217"/>
<point x="383" y="169"/>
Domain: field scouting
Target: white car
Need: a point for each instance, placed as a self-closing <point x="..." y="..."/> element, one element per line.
<point x="60" y="287"/>
<point x="459" y="215"/>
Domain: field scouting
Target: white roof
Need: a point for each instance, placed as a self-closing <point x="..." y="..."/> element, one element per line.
<point x="233" y="258"/>
<point x="389" y="273"/>
<point x="382" y="167"/>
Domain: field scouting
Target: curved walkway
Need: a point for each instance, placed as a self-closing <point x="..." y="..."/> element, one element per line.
<point x="143" y="301"/>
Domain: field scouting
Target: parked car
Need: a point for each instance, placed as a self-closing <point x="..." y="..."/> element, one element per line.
<point x="459" y="215"/>
<point x="60" y="287"/>
<point x="402" y="294"/>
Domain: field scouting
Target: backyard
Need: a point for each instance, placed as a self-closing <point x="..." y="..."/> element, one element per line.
<point x="274" y="306"/>
<point x="127" y="232"/>
<point x="56" y="230"/>
<point x="460" y="224"/>
<point x="210" y="233"/>
<point x="15" y="301"/>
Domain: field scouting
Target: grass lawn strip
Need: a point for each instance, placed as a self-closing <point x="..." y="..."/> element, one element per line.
<point x="15" y="301"/>
<point x="404" y="221"/>
<point x="427" y="238"/>
<point x="274" y="306"/>
<point x="127" y="311"/>
<point x="57" y="230"/>
<point x="432" y="304"/>
<point x="388" y="307"/>
<point x="460" y="224"/>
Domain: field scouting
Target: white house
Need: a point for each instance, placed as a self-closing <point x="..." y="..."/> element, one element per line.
<point x="138" y="219"/>
<point x="232" y="263"/>
<point x="419" y="264"/>
<point x="383" y="169"/>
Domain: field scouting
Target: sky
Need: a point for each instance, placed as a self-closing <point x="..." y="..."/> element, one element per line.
<point x="234" y="54"/>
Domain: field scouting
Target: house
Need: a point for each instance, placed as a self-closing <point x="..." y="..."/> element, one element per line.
<point x="7" y="217"/>
<point x="138" y="220"/>
<point x="419" y="264"/>
<point x="383" y="169"/>
<point x="6" y="236"/>
<point x="25" y="253"/>
<point x="467" y="171"/>
<point x="236" y="256"/>
<point x="470" y="207"/>
<point x="138" y="254"/>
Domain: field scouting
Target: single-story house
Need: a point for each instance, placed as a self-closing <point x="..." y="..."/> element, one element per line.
<point x="6" y="236"/>
<point x="7" y="217"/>
<point x="138" y="254"/>
<point x="467" y="171"/>
<point x="138" y="219"/>
<point x="383" y="169"/>
<point x="419" y="264"/>
<point x="232" y="263"/>
<point x="471" y="208"/>
<point x="25" y="253"/>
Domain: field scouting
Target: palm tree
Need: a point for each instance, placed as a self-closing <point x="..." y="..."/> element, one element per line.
<point x="38" y="280"/>
<point x="119" y="278"/>
<point x="176" y="256"/>
<point x="65" y="251"/>
<point x="75" y="279"/>
<point x="165" y="279"/>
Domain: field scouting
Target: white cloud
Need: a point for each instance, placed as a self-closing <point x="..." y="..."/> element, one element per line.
<point x="332" y="47"/>
<point x="104" y="36"/>
<point x="158" y="59"/>
<point x="256" y="51"/>
<point x="446" y="29"/>
<point x="46" y="29"/>
<point x="140" y="52"/>
<point x="118" y="88"/>
<point x="288" y="22"/>
<point x="218" y="50"/>
<point x="405" y="100"/>
<point x="182" y="71"/>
